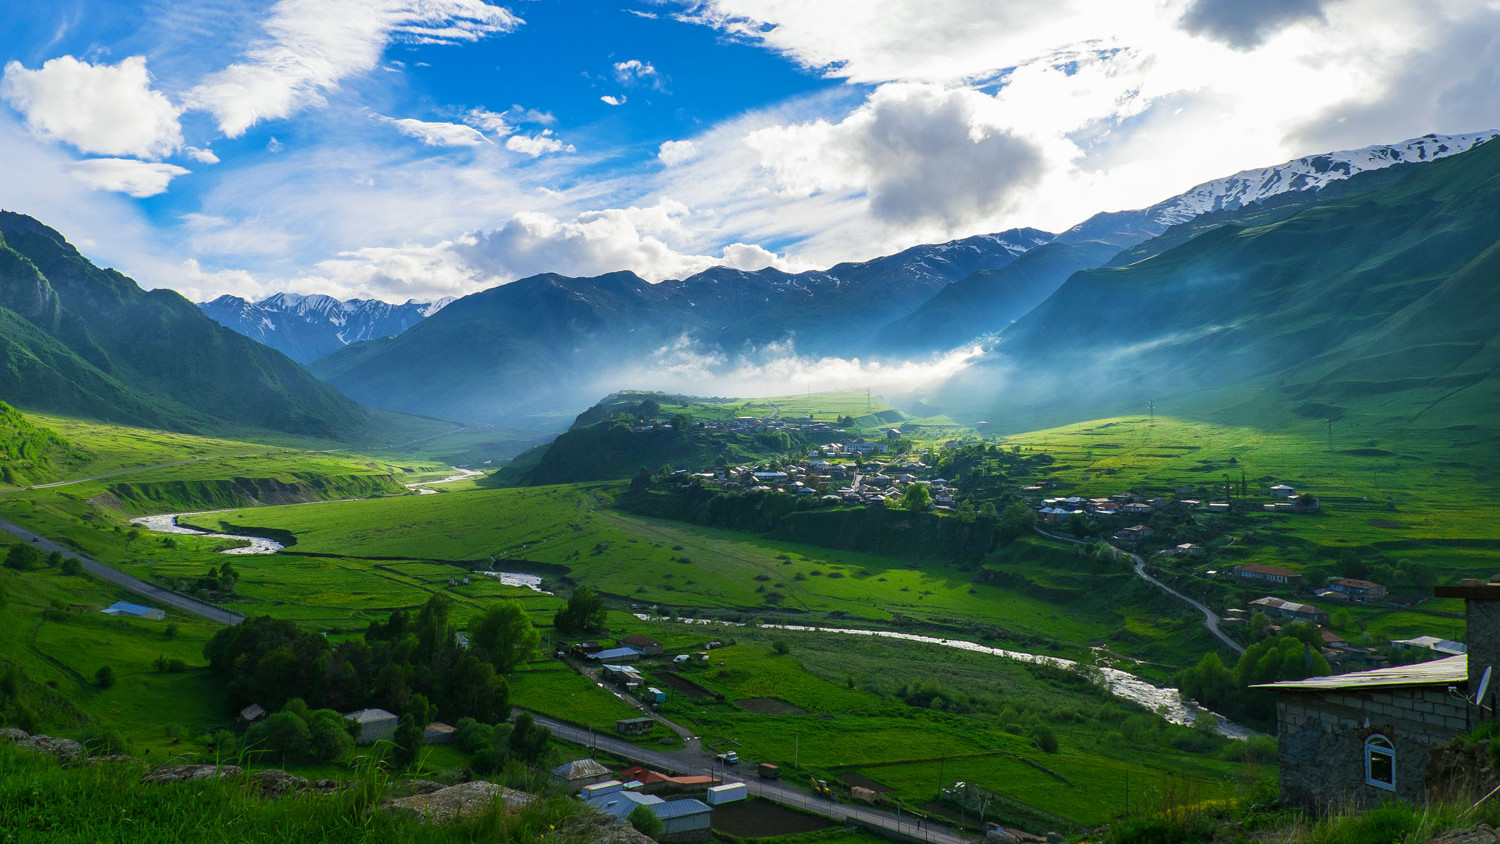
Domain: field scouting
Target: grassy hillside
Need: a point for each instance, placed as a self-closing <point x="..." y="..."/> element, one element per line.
<point x="1355" y="300"/>
<point x="80" y="340"/>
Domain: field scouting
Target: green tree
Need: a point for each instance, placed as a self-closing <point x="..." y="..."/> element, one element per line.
<point x="1210" y="682"/>
<point x="105" y="677"/>
<point x="1017" y="520"/>
<point x="917" y="498"/>
<point x="284" y="737"/>
<point x="503" y="636"/>
<point x="646" y="821"/>
<point x="71" y="566"/>
<point x="1045" y="739"/>
<point x="528" y="741"/>
<point x="22" y="557"/>
<point x="408" y="742"/>
<point x="54" y="559"/>
<point x="329" y="739"/>
<point x="583" y="612"/>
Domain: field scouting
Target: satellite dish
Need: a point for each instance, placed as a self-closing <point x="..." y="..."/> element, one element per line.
<point x="1484" y="685"/>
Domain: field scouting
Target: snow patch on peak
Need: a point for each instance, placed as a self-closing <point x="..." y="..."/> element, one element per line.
<point x="1307" y="173"/>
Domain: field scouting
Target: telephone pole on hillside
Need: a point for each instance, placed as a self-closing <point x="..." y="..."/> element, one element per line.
<point x="1151" y="406"/>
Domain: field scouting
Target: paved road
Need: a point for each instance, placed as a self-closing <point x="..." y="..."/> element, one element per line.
<point x="1210" y="618"/>
<point x="125" y="581"/>
<point x="692" y="760"/>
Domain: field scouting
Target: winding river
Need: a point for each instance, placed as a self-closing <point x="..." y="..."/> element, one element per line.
<point x="1122" y="684"/>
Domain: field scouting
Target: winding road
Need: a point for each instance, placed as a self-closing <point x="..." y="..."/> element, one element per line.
<point x="125" y="581"/>
<point x="692" y="760"/>
<point x="1210" y="618"/>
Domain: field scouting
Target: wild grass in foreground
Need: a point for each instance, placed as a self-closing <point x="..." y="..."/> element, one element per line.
<point x="1254" y="819"/>
<point x="40" y="801"/>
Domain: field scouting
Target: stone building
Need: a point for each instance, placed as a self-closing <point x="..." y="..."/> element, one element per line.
<point x="1361" y="738"/>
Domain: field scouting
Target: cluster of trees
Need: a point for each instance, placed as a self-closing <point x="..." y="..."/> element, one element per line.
<point x="23" y="557"/>
<point x="299" y="734"/>
<point x="219" y="581"/>
<point x="493" y="745"/>
<point x="1290" y="655"/>
<point x="404" y="664"/>
<point x="583" y="613"/>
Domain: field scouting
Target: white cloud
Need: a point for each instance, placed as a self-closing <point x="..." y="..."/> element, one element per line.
<point x="636" y="72"/>
<point x="201" y="155"/>
<point x="686" y="366"/>
<point x="99" y="109"/>
<point x="310" y="46"/>
<point x="274" y="145"/>
<point x="437" y="134"/>
<point x="488" y="121"/>
<point x="126" y="175"/>
<point x="537" y="145"/>
<point x="611" y="99"/>
<point x="676" y="152"/>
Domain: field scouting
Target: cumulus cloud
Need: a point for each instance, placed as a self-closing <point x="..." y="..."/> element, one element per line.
<point x="921" y="152"/>
<point x="635" y="72"/>
<point x="1245" y="24"/>
<point x="100" y="109"/>
<point x="535" y="146"/>
<point x="488" y="121"/>
<point x="127" y="175"/>
<point x="202" y="155"/>
<point x="676" y="152"/>
<point x="611" y="99"/>
<point x="310" y="46"/>
<point x="436" y="134"/>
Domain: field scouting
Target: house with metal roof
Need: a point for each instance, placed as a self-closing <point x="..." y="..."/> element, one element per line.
<point x="374" y="725"/>
<point x="1363" y="738"/>
<point x="683" y="819"/>
<point x="129" y="610"/>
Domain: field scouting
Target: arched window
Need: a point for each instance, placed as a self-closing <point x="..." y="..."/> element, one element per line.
<point x="1380" y="762"/>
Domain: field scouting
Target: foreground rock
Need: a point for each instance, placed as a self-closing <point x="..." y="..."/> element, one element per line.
<point x="1482" y="834"/>
<point x="190" y="773"/>
<point x="274" y="783"/>
<point x="446" y="804"/>
<point x="66" y="750"/>
<point x="601" y="829"/>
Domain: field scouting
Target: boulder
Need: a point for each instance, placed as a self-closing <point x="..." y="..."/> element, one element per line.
<point x="274" y="783"/>
<point x="456" y="801"/>
<point x="66" y="750"/>
<point x="596" y="828"/>
<point x="189" y="773"/>
<point x="1000" y="836"/>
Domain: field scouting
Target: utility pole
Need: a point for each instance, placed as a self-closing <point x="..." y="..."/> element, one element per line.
<point x="1330" y="433"/>
<point x="1151" y="405"/>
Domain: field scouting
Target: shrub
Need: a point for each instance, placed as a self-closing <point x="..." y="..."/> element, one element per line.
<point x="105" y="677"/>
<point x="1044" y="738"/>
<point x="645" y="821"/>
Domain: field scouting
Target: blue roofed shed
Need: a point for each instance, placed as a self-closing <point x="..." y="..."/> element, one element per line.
<point x="129" y="610"/>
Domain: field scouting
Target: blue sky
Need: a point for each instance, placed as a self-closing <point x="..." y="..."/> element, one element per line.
<point x="423" y="148"/>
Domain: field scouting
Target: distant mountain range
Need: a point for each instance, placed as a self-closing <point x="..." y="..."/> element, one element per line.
<point x="79" y="340"/>
<point x="1313" y="274"/>
<point x="550" y="343"/>
<point x="305" y="328"/>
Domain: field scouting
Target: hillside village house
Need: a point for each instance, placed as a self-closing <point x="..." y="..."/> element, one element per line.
<point x="1268" y="574"/>
<point x="1277" y="608"/>
<point x="1358" y="590"/>
<point x="1358" y="739"/>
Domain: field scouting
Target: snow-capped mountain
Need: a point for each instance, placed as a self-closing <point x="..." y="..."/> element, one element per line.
<point x="306" y="328"/>
<point x="1249" y="186"/>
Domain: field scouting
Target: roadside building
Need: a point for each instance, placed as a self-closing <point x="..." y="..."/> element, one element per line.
<point x="616" y="655"/>
<point x="1362" y="591"/>
<point x="374" y="725"/>
<point x="645" y="644"/>
<point x="580" y="772"/>
<point x="1277" y="608"/>
<point x="129" y="610"/>
<point x="635" y="726"/>
<point x="1268" y="574"/>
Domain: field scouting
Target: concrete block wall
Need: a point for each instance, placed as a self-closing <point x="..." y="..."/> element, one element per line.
<point x="1322" y="741"/>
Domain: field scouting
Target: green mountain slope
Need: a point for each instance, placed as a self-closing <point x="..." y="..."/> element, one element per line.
<point x="80" y="340"/>
<point x="1364" y="294"/>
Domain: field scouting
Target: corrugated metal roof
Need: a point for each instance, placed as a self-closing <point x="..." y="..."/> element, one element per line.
<point x="680" y="808"/>
<point x="1439" y="672"/>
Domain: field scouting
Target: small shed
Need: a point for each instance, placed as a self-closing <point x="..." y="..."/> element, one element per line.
<point x="645" y="644"/>
<point x="129" y="610"/>
<point x="439" y="733"/>
<point x="634" y="726"/>
<point x="727" y="793"/>
<point x="616" y="655"/>
<point x="374" y="725"/>
<point x="252" y="713"/>
<point x="684" y="819"/>
<point x="580" y="772"/>
<point x="1282" y="491"/>
<point x="655" y="695"/>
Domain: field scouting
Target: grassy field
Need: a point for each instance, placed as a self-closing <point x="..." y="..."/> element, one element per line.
<point x="653" y="562"/>
<point x="831" y="706"/>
